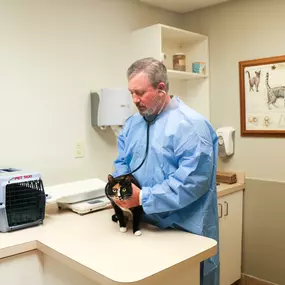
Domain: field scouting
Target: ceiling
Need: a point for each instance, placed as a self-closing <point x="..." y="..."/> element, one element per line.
<point x="182" y="6"/>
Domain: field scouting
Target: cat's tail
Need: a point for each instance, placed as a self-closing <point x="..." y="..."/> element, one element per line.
<point x="248" y="74"/>
<point x="266" y="81"/>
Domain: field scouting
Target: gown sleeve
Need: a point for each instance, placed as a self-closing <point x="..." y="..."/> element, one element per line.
<point x="194" y="154"/>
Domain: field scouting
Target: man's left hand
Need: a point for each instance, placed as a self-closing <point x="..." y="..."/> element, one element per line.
<point x="134" y="201"/>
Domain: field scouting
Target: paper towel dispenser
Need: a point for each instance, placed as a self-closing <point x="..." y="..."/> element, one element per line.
<point x="226" y="141"/>
<point x="110" y="107"/>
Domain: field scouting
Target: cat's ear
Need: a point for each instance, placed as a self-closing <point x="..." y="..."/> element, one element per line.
<point x="110" y="178"/>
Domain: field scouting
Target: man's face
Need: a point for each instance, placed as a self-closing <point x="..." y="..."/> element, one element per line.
<point x="147" y="99"/>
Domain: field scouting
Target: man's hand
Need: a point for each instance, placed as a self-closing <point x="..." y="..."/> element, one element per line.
<point x="134" y="201"/>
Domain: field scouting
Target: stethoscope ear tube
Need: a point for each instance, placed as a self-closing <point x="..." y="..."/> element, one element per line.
<point x="146" y="151"/>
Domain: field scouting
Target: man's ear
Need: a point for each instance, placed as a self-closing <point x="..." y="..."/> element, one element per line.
<point x="161" y="86"/>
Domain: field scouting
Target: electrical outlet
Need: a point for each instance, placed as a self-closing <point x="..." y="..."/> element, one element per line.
<point x="79" y="150"/>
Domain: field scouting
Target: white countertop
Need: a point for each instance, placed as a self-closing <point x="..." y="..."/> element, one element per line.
<point x="87" y="243"/>
<point x="225" y="189"/>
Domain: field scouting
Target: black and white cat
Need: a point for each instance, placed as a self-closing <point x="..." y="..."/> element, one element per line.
<point x="121" y="188"/>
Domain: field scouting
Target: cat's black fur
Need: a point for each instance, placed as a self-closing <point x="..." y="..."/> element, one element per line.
<point x="121" y="188"/>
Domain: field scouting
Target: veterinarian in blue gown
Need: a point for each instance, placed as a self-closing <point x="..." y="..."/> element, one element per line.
<point x="178" y="177"/>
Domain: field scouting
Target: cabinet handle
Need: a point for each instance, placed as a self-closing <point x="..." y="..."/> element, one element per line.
<point x="227" y="209"/>
<point x="221" y="210"/>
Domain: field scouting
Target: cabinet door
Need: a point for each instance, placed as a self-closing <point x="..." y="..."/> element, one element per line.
<point x="22" y="269"/>
<point x="230" y="226"/>
<point x="222" y="237"/>
<point x="57" y="273"/>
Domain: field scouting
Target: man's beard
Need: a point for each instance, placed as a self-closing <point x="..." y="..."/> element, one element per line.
<point x="157" y="101"/>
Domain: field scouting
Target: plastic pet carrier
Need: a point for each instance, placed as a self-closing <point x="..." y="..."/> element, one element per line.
<point x="22" y="199"/>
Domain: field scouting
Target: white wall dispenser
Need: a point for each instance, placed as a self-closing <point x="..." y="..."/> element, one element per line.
<point x="110" y="107"/>
<point x="226" y="141"/>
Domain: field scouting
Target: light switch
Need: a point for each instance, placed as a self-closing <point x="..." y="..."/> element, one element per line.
<point x="79" y="150"/>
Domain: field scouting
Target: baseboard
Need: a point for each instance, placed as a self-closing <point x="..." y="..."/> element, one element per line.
<point x="241" y="281"/>
<point x="251" y="280"/>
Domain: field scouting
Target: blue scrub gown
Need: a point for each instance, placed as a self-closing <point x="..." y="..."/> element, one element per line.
<point x="178" y="178"/>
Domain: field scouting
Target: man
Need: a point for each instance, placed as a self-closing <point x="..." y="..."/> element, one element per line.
<point x="178" y="177"/>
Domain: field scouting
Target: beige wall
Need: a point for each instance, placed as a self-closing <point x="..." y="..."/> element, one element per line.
<point x="52" y="54"/>
<point x="241" y="30"/>
<point x="264" y="230"/>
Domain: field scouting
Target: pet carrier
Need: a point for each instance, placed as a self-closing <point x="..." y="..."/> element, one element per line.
<point x="22" y="199"/>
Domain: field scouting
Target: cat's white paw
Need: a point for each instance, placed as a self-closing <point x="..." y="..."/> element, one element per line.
<point x="123" y="230"/>
<point x="138" y="233"/>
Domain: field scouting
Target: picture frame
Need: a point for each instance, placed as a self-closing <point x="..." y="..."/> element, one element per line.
<point x="262" y="97"/>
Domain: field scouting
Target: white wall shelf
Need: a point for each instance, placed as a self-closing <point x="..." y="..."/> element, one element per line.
<point x="158" y="40"/>
<point x="181" y="37"/>
<point x="183" y="75"/>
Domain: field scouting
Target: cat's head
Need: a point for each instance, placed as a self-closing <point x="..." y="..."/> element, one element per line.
<point x="258" y="73"/>
<point x="119" y="188"/>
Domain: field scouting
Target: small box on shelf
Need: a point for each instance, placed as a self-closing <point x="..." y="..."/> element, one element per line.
<point x="199" y="67"/>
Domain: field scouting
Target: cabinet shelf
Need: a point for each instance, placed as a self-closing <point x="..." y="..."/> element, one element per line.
<point x="183" y="75"/>
<point x="179" y="36"/>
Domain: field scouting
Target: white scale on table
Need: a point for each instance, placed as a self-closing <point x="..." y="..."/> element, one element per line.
<point x="82" y="196"/>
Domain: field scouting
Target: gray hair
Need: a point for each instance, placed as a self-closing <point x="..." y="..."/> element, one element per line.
<point x="154" y="69"/>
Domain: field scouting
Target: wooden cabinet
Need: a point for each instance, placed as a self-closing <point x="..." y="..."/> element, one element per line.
<point x="230" y="209"/>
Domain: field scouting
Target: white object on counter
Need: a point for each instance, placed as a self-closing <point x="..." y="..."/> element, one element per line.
<point x="82" y="196"/>
<point x="77" y="191"/>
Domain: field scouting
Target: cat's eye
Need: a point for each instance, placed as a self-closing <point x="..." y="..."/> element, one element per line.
<point x="114" y="190"/>
<point x="124" y="189"/>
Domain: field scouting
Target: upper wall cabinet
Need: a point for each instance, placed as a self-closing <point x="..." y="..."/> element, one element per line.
<point x="162" y="42"/>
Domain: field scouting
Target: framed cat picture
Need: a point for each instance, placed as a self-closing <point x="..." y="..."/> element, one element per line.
<point x="262" y="97"/>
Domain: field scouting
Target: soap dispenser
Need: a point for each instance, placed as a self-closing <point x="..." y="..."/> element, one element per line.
<point x="225" y="141"/>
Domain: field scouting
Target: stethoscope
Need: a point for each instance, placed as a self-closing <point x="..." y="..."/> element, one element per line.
<point x="149" y="120"/>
